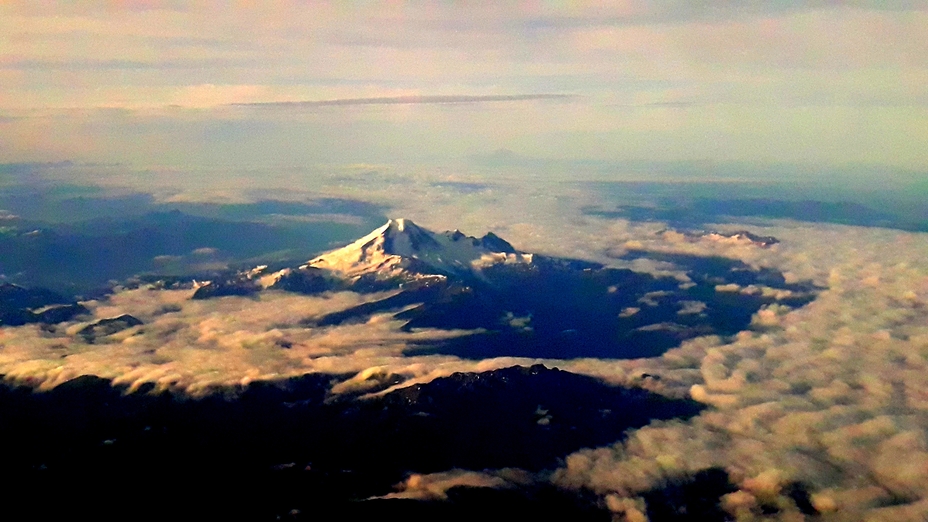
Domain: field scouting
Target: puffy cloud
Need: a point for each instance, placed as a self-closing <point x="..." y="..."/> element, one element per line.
<point x="195" y="345"/>
<point x="691" y="307"/>
<point x="829" y="395"/>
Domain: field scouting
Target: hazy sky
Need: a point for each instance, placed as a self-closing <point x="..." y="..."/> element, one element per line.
<point x="291" y="83"/>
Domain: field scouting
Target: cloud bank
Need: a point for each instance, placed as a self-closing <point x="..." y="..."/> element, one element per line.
<point x="831" y="395"/>
<point x="197" y="346"/>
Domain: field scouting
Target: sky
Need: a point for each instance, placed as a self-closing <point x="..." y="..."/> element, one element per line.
<point x="147" y="83"/>
<point x="308" y="100"/>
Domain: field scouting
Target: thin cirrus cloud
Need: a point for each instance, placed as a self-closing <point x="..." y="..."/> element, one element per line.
<point x="90" y="64"/>
<point x="411" y="100"/>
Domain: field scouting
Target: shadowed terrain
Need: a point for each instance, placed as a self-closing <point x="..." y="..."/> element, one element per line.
<point x="566" y="309"/>
<point x="80" y="243"/>
<point x="703" y="211"/>
<point x="275" y="447"/>
<point x="19" y="306"/>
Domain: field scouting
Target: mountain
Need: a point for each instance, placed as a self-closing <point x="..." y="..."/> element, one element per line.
<point x="399" y="253"/>
<point x="741" y="237"/>
<point x="400" y="249"/>
<point x="19" y="306"/>
<point x="525" y="305"/>
<point x="108" y="326"/>
<point x="302" y="449"/>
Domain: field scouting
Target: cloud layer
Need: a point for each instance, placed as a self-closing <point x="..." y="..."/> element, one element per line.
<point x="196" y="346"/>
<point x="813" y="82"/>
<point x="831" y="395"/>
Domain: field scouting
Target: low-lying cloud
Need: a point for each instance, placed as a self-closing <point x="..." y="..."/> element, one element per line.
<point x="195" y="345"/>
<point x="831" y="395"/>
<point x="434" y="486"/>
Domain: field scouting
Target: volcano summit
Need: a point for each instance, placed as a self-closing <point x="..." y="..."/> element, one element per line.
<point x="400" y="248"/>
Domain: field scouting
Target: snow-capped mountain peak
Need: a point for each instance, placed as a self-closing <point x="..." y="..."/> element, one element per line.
<point x="402" y="248"/>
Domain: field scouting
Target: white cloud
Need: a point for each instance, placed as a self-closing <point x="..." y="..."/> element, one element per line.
<point x="830" y="397"/>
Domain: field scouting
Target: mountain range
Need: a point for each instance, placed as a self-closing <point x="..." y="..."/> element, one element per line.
<point x="524" y="304"/>
<point x="514" y="303"/>
<point x="289" y="448"/>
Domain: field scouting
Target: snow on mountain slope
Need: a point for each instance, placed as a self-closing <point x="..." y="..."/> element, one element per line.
<point x="400" y="248"/>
